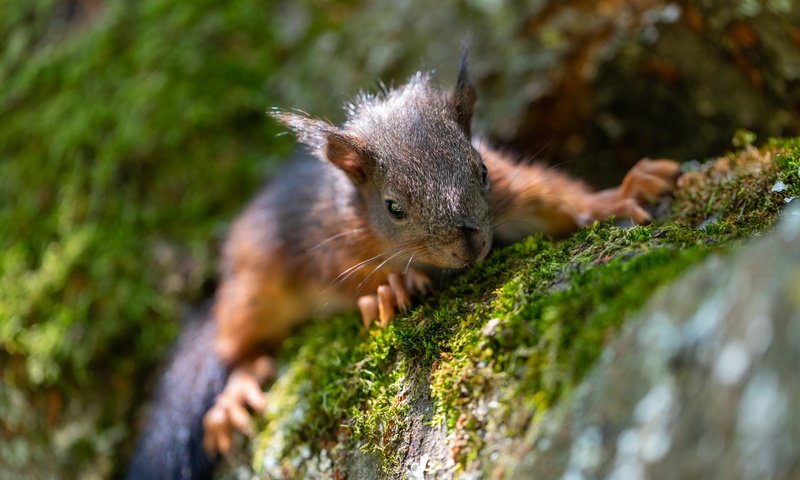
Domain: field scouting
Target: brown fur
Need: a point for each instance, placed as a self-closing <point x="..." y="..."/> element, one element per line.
<point x="532" y="197"/>
<point x="267" y="289"/>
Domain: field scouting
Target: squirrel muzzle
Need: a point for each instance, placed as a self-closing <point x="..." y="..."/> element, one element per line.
<point x="471" y="244"/>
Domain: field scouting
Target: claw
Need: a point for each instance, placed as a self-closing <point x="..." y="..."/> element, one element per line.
<point x="393" y="297"/>
<point x="263" y="368"/>
<point x="400" y="292"/>
<point x="417" y="282"/>
<point x="645" y="186"/>
<point x="663" y="168"/>
<point x="653" y="178"/>
<point x="229" y="412"/>
<point x="645" y="182"/>
<point x="239" y="418"/>
<point x="630" y="208"/>
<point x="368" y="305"/>
<point x="215" y="435"/>
<point x="386" y="303"/>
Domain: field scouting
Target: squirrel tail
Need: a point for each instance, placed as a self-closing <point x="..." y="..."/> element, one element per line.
<point x="171" y="442"/>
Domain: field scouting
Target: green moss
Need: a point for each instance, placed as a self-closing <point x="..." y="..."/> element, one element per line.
<point x="552" y="320"/>
<point x="788" y="161"/>
<point x="349" y="387"/>
<point x="341" y="383"/>
<point x="736" y="194"/>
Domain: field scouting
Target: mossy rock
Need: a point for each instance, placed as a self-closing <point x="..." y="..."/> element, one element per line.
<point x="701" y="384"/>
<point x="468" y="372"/>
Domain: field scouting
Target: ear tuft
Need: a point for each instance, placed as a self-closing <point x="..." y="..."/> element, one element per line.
<point x="309" y="131"/>
<point x="343" y="149"/>
<point x="464" y="96"/>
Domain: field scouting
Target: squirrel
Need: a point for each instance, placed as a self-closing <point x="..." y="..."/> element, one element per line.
<point x="399" y="190"/>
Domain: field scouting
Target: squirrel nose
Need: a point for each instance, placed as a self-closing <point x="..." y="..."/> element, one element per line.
<point x="469" y="228"/>
<point x="474" y="242"/>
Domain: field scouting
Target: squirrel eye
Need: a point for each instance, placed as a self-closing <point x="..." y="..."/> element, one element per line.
<point x="395" y="209"/>
<point x="485" y="173"/>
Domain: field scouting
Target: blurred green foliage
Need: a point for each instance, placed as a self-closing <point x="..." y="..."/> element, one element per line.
<point x="134" y="136"/>
<point x="126" y="141"/>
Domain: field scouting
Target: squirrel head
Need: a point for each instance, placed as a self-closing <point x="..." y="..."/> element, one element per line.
<point x="408" y="152"/>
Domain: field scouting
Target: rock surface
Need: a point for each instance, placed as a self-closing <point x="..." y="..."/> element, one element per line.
<point x="702" y="384"/>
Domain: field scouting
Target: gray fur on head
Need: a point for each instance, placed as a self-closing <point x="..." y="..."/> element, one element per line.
<point x="411" y="145"/>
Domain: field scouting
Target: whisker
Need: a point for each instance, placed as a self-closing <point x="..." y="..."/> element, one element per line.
<point x="526" y="162"/>
<point x="511" y="221"/>
<point x="514" y="177"/>
<point x="344" y="276"/>
<point x="378" y="268"/>
<point x="350" y="271"/>
<point x="405" y="270"/>
<point x="544" y="169"/>
<point x="544" y="147"/>
<point x="500" y="217"/>
<point x="334" y="237"/>
<point x="412" y="248"/>
<point x="500" y="208"/>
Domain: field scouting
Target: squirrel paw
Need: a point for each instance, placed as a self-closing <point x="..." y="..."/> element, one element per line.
<point x="394" y="296"/>
<point x="229" y="412"/>
<point x="649" y="179"/>
<point x="645" y="182"/>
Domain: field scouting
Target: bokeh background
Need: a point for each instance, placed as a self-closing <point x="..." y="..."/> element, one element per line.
<point x="131" y="132"/>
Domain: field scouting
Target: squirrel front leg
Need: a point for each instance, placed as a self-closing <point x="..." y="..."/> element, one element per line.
<point x="246" y="318"/>
<point x="530" y="198"/>
<point x="255" y="309"/>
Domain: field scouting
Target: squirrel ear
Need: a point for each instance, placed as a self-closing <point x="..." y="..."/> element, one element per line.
<point x="463" y="97"/>
<point x="326" y="141"/>
<point x="349" y="153"/>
